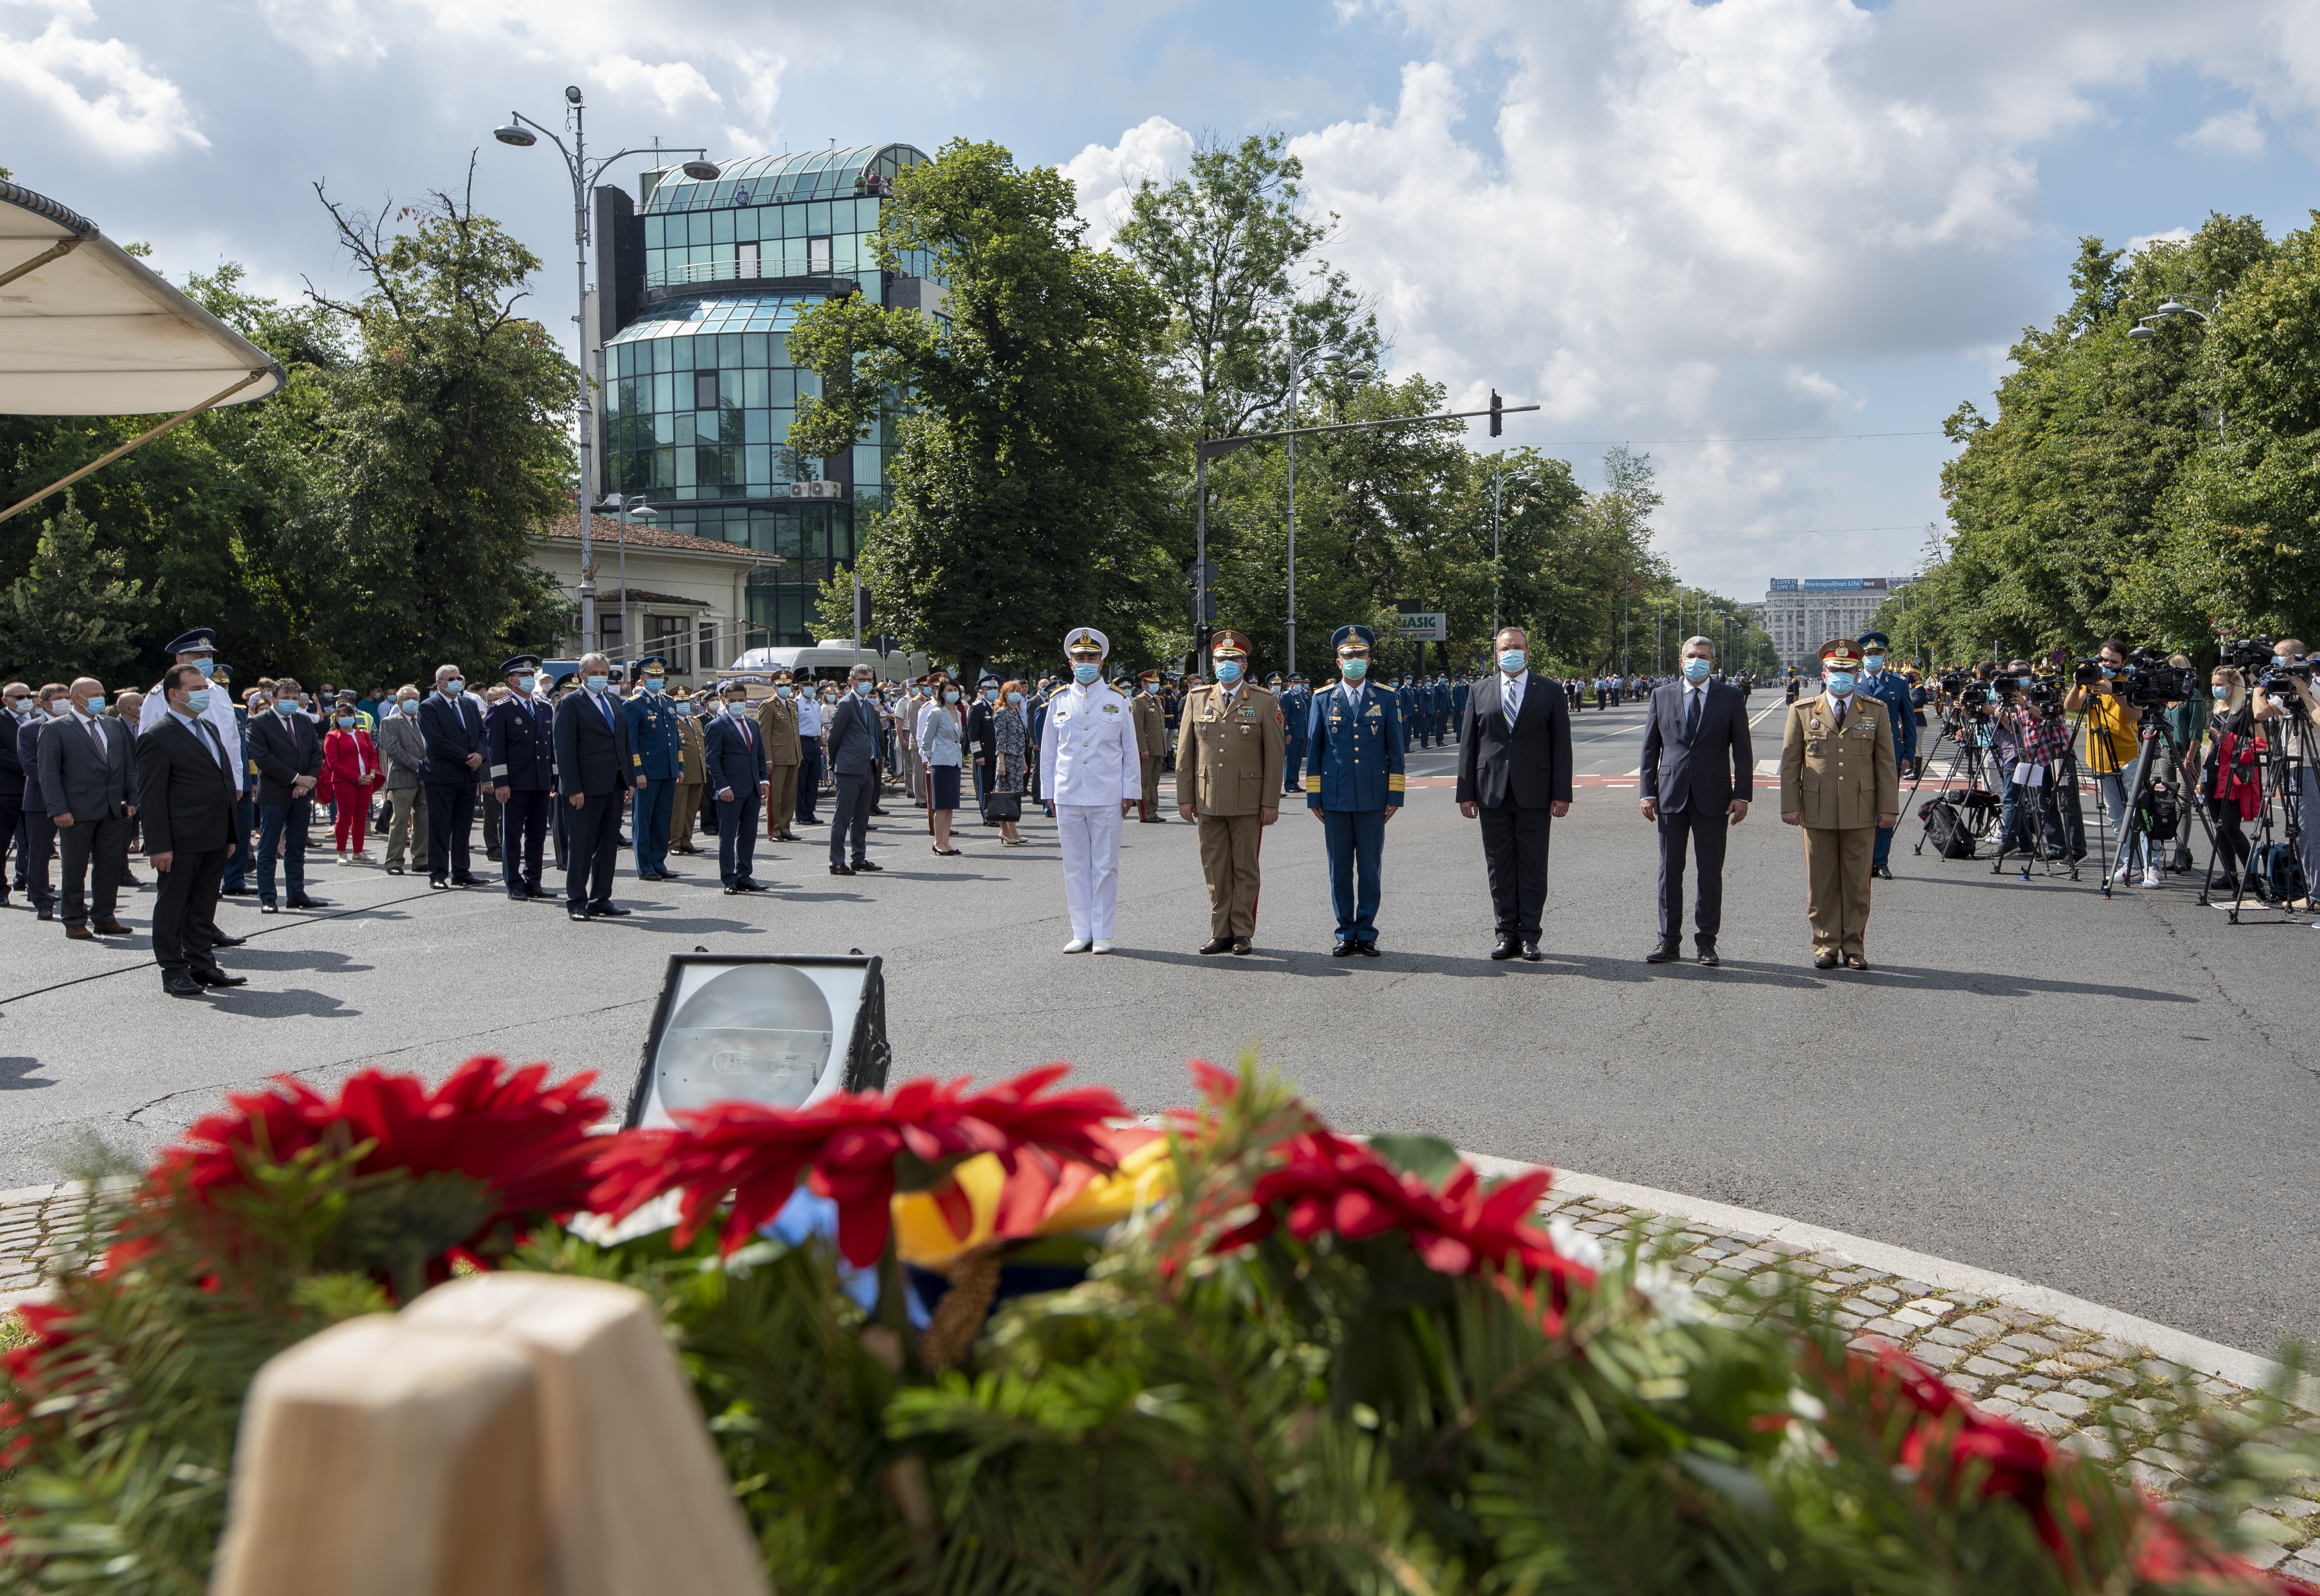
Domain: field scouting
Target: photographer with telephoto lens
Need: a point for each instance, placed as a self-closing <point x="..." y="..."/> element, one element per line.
<point x="2286" y="684"/>
<point x="2112" y="743"/>
<point x="2230" y="781"/>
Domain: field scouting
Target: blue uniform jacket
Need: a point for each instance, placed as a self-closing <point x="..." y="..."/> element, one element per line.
<point x="653" y="737"/>
<point x="1356" y="755"/>
<point x="1458" y="700"/>
<point x="1296" y="703"/>
<point x="1891" y="689"/>
<point x="520" y="745"/>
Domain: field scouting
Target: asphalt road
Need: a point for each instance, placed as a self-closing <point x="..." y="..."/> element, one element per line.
<point x="2114" y="1098"/>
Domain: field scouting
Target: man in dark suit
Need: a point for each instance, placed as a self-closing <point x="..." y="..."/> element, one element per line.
<point x="186" y="797"/>
<point x="519" y="761"/>
<point x="1698" y="775"/>
<point x="453" y="731"/>
<point x="39" y="843"/>
<point x="733" y="752"/>
<point x="1513" y="775"/>
<point x="286" y="747"/>
<point x="593" y="767"/>
<point x="853" y="767"/>
<point x="88" y="771"/>
<point x="15" y="701"/>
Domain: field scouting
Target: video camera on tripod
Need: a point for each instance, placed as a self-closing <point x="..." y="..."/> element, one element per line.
<point x="2147" y="683"/>
<point x="2278" y="678"/>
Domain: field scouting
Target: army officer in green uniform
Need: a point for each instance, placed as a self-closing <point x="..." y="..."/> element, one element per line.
<point x="1839" y="781"/>
<point x="1228" y="780"/>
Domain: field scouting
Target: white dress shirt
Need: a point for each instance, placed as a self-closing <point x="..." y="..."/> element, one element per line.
<point x="1511" y="692"/>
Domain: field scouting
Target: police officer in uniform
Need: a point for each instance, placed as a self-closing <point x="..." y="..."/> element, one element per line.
<point x="1458" y="693"/>
<point x="1295" y="706"/>
<point x="1354" y="733"/>
<point x="520" y="759"/>
<point x="1228" y="760"/>
<point x="1839" y="781"/>
<point x="1891" y="689"/>
<point x="198" y="648"/>
<point x="1151" y="745"/>
<point x="659" y="753"/>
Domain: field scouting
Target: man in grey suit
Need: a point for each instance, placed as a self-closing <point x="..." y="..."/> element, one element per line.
<point x="1698" y="774"/>
<point x="853" y="762"/>
<point x="88" y="772"/>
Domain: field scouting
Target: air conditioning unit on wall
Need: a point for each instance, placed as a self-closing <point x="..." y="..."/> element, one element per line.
<point x="817" y="490"/>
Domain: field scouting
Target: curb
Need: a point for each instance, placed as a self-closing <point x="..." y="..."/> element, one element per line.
<point x="2177" y="1347"/>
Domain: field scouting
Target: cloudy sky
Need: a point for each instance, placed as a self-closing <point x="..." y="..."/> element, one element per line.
<point x="1773" y="242"/>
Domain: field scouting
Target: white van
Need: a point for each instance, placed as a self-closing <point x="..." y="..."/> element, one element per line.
<point x="832" y="659"/>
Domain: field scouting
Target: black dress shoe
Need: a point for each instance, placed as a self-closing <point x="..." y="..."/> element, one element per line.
<point x="1507" y="949"/>
<point x="220" y="979"/>
<point x="303" y="902"/>
<point x="1708" y="955"/>
<point x="466" y="881"/>
<point x="579" y="915"/>
<point x="182" y="986"/>
<point x="246" y="891"/>
<point x="45" y="914"/>
<point x="735" y="891"/>
<point x="437" y="885"/>
<point x="1240" y="945"/>
<point x="112" y="928"/>
<point x="1531" y="955"/>
<point x="1883" y="872"/>
<point x="1368" y="949"/>
<point x="849" y="869"/>
<point x="754" y="886"/>
<point x="227" y="941"/>
<point x="539" y="893"/>
<point x="1853" y="961"/>
<point x="610" y="910"/>
<point x="130" y="881"/>
<point x="1217" y="945"/>
<point x="1666" y="953"/>
<point x="1824" y="961"/>
<point x="1344" y="949"/>
<point x="394" y="869"/>
<point x="864" y="867"/>
<point x="516" y="894"/>
<point x="269" y="907"/>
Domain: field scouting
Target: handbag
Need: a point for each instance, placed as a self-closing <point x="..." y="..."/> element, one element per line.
<point x="1003" y="806"/>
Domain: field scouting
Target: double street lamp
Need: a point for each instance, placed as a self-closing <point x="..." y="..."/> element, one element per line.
<point x="523" y="133"/>
<point x="629" y="510"/>
<point x="1498" y="480"/>
<point x="1299" y="365"/>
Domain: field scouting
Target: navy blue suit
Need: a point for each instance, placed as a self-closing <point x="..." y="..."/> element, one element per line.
<point x="1694" y="770"/>
<point x="1357" y="769"/>
<point x="735" y="753"/>
<point x="520" y="755"/>
<point x="451" y="730"/>
<point x="594" y="764"/>
<point x="1296" y="705"/>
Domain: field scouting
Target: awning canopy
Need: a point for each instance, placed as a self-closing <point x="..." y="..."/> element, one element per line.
<point x="87" y="330"/>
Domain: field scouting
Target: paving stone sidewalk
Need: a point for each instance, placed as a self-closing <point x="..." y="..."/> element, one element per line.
<point x="2045" y="1374"/>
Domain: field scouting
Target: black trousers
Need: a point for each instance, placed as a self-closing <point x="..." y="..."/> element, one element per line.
<point x="491" y="826"/>
<point x="11" y="824"/>
<point x="1514" y="851"/>
<point x="185" y="911"/>
<point x="809" y="778"/>
<point x="40" y="848"/>
<point x="593" y="832"/>
<point x="523" y="829"/>
<point x="1707" y="834"/>
<point x="737" y="837"/>
<point x="849" y="819"/>
<point x="451" y="811"/>
<point x="104" y="841"/>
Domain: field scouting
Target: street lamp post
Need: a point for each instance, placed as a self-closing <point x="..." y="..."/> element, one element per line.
<point x="521" y="131"/>
<point x="1299" y="365"/>
<point x="1498" y="480"/>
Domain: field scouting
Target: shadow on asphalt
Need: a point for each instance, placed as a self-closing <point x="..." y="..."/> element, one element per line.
<point x="12" y="1073"/>
<point x="255" y="957"/>
<point x="281" y="1006"/>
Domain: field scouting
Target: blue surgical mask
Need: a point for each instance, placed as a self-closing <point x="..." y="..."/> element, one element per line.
<point x="347" y="720"/>
<point x="1014" y="698"/>
<point x="1086" y="673"/>
<point x="655" y="683"/>
<point x="1228" y="671"/>
<point x="208" y="667"/>
<point x="1512" y="660"/>
<point x="597" y="684"/>
<point x="2108" y="672"/>
<point x="863" y="689"/>
<point x="2222" y="693"/>
<point x="951" y="696"/>
<point x="454" y="687"/>
<point x="286" y="706"/>
<point x="197" y="701"/>
<point x="783" y="691"/>
<point x="1696" y="669"/>
<point x="1873" y="663"/>
<point x="1840" y="681"/>
<point x="1354" y="670"/>
<point x="682" y="709"/>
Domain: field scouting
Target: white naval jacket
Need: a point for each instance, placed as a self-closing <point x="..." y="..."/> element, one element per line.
<point x="1087" y="750"/>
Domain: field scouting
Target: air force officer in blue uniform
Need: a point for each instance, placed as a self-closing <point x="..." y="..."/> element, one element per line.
<point x="658" y="749"/>
<point x="519" y="761"/>
<point x="1354" y="735"/>
<point x="1891" y="689"/>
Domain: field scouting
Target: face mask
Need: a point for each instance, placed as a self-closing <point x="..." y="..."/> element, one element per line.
<point x="1696" y="670"/>
<point x="197" y="701"/>
<point x="951" y="696"/>
<point x="597" y="683"/>
<point x="1840" y="681"/>
<point x="1354" y="670"/>
<point x="347" y="720"/>
<point x="206" y="667"/>
<point x="714" y="709"/>
<point x="454" y="687"/>
<point x="1014" y="698"/>
<point x="2222" y="693"/>
<point x="1086" y="673"/>
<point x="1873" y="663"/>
<point x="1228" y="672"/>
<point x="655" y="683"/>
<point x="1511" y="660"/>
<point x="2108" y="672"/>
<point x="782" y="691"/>
<point x="863" y="689"/>
<point x="286" y="706"/>
<point x="682" y="709"/>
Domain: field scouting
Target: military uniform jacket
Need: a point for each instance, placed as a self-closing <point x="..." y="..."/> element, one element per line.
<point x="1355" y="752"/>
<point x="652" y="736"/>
<point x="692" y="746"/>
<point x="1296" y="705"/>
<point x="1840" y="778"/>
<point x="1151" y="727"/>
<point x="1891" y="689"/>
<point x="520" y="745"/>
<point x="1228" y="755"/>
<point x="777" y="718"/>
<point x="1087" y="750"/>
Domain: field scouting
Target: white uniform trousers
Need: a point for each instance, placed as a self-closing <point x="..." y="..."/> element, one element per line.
<point x="1090" y="834"/>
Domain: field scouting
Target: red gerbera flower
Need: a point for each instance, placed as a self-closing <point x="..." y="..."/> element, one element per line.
<point x="531" y="1143"/>
<point x="1326" y="1181"/>
<point x="851" y="1144"/>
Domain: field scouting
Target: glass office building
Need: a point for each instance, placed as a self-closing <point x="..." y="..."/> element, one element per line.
<point x="698" y="288"/>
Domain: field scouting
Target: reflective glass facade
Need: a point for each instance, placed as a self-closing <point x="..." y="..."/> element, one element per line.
<point x="699" y="392"/>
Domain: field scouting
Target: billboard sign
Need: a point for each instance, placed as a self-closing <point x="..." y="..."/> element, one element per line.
<point x="1844" y="583"/>
<point x="1784" y="585"/>
<point x="1431" y="626"/>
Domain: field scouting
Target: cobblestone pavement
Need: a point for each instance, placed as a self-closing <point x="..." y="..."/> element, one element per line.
<point x="2047" y="1374"/>
<point x="36" y="1224"/>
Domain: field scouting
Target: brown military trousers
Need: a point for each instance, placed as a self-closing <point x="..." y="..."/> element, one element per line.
<point x="1836" y="886"/>
<point x="681" y="818"/>
<point x="1228" y="849"/>
<point x="781" y="802"/>
<point x="1150" y="804"/>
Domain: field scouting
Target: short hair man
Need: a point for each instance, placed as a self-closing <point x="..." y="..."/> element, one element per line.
<point x="594" y="767"/>
<point x="1514" y="776"/>
<point x="1698" y="774"/>
<point x="88" y="770"/>
<point x="186" y="798"/>
<point x="1840" y="781"/>
<point x="1089" y="774"/>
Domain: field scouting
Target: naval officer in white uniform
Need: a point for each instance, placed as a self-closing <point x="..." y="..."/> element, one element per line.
<point x="1092" y="779"/>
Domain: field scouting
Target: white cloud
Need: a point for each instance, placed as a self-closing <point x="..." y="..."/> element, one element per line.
<point x="98" y="90"/>
<point x="2230" y="132"/>
<point x="2173" y="235"/>
<point x="677" y="86"/>
<point x="1104" y="178"/>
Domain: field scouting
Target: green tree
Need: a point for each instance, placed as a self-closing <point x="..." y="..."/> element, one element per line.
<point x="1028" y="484"/>
<point x="443" y="445"/>
<point x="74" y="613"/>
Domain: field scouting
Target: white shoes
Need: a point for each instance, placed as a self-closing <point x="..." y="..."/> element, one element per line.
<point x="1101" y="948"/>
<point x="2123" y="874"/>
<point x="1076" y="945"/>
<point x="342" y="861"/>
<point x="2150" y="875"/>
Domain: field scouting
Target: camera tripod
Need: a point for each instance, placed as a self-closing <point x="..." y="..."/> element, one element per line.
<point x="2288" y="758"/>
<point x="1966" y="755"/>
<point x="2143" y="782"/>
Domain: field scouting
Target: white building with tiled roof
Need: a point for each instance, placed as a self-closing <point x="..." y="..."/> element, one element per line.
<point x="685" y="596"/>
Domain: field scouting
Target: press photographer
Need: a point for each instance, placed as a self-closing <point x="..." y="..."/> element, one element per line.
<point x="2285" y="684"/>
<point x="2114" y="690"/>
<point x="2231" y="780"/>
<point x="2030" y="744"/>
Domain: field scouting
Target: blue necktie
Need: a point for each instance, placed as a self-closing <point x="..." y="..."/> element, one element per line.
<point x="1691" y="720"/>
